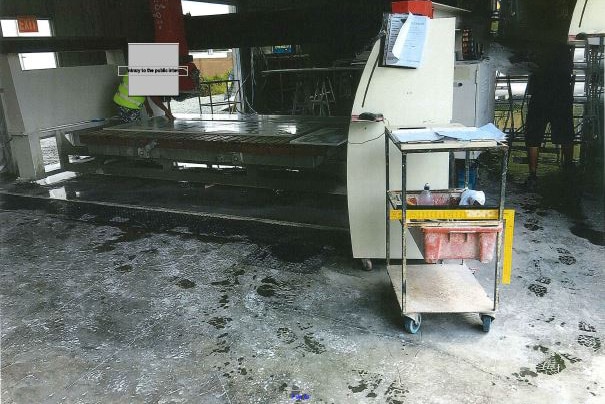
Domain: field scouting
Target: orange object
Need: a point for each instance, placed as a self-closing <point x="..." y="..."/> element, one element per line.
<point x="170" y="28"/>
<point x="474" y="242"/>
<point x="417" y="7"/>
<point x="27" y="24"/>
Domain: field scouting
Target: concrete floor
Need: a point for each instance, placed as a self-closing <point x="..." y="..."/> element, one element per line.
<point x="109" y="311"/>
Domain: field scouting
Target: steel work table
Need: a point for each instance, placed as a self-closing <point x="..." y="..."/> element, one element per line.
<point x="234" y="149"/>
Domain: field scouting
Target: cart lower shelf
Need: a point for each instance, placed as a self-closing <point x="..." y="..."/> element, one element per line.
<point x="440" y="288"/>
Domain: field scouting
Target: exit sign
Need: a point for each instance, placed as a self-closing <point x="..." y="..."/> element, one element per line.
<point x="27" y="24"/>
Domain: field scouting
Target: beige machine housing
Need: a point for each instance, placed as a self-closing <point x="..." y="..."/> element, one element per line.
<point x="407" y="98"/>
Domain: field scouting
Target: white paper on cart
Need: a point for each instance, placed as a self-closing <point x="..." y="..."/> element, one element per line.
<point x="416" y="135"/>
<point x="494" y="131"/>
<point x="469" y="133"/>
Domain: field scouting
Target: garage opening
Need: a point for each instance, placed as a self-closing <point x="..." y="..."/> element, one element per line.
<point x="220" y="89"/>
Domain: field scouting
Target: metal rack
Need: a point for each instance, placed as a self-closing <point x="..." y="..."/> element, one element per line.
<point x="316" y="90"/>
<point x="446" y="288"/>
<point x="507" y="107"/>
<point x="592" y="122"/>
<point x="232" y="105"/>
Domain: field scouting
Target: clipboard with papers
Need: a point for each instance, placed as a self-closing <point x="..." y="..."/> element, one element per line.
<point x="405" y="40"/>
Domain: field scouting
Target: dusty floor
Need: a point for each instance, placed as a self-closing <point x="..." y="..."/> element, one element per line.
<point x="108" y="311"/>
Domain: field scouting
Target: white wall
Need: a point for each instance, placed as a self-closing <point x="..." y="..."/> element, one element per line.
<point x="407" y="98"/>
<point x="40" y="99"/>
<point x="588" y="18"/>
<point x="53" y="97"/>
<point x="414" y="97"/>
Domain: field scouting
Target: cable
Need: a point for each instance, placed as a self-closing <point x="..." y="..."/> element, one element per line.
<point x="582" y="16"/>
<point x="386" y="121"/>
<point x="369" y="140"/>
<point x="245" y="98"/>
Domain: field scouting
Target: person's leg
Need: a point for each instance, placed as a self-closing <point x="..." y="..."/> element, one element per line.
<point x="534" y="134"/>
<point x="561" y="123"/>
<point x="567" y="155"/>
<point x="561" y="114"/>
<point x="532" y="156"/>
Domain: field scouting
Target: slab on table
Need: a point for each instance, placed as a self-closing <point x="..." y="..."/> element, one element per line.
<point x="270" y="126"/>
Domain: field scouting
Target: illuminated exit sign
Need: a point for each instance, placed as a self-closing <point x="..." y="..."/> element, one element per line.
<point x="27" y="24"/>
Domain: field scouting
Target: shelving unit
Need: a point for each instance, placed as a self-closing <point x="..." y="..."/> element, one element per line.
<point x="439" y="287"/>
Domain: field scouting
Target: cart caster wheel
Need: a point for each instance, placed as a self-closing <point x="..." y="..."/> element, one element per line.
<point x="487" y="322"/>
<point x="410" y="325"/>
<point x="366" y="264"/>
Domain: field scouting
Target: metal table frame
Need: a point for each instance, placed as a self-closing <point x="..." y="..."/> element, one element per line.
<point x="262" y="151"/>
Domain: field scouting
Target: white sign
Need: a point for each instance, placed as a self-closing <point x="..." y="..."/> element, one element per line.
<point x="406" y="40"/>
<point x="153" y="69"/>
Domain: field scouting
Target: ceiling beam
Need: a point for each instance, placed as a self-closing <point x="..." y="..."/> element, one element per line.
<point x="329" y="24"/>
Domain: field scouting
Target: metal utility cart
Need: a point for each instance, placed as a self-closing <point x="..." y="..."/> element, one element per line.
<point x="450" y="232"/>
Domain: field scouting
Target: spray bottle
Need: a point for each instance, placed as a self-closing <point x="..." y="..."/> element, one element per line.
<point x="426" y="197"/>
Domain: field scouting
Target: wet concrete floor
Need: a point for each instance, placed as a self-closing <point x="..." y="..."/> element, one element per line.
<point x="106" y="304"/>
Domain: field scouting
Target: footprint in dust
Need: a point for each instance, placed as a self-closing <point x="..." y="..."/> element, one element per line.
<point x="539" y="290"/>
<point x="366" y="382"/>
<point x="219" y="322"/>
<point x="571" y="358"/>
<point x="540" y="348"/>
<point x="313" y="345"/>
<point x="569" y="284"/>
<point x="222" y="345"/>
<point x="124" y="268"/>
<point x="589" y="272"/>
<point x="224" y="301"/>
<point x="395" y="394"/>
<point x="529" y="207"/>
<point x="584" y="326"/>
<point x="182" y="283"/>
<point x="543" y="280"/>
<point x="286" y="335"/>
<point x="552" y="365"/>
<point x="185" y="283"/>
<point x="590" y="341"/>
<point x="524" y="374"/>
<point x="268" y="287"/>
<point x="532" y="224"/>
<point x="241" y="369"/>
<point x="567" y="259"/>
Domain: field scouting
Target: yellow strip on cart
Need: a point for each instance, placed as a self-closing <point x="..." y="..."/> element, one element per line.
<point x="468" y="214"/>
